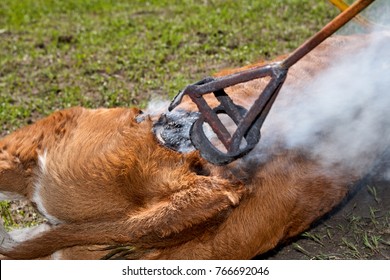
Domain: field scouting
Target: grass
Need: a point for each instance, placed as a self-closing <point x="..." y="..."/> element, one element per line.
<point x="57" y="54"/>
<point x="6" y="214"/>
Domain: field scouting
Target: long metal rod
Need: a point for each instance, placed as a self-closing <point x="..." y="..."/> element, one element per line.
<point x="325" y="32"/>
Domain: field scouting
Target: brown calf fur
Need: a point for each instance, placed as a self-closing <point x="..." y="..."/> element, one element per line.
<point x="108" y="188"/>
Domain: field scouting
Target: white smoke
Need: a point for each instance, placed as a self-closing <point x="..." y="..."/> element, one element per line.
<point x="156" y="107"/>
<point x="386" y="175"/>
<point x="343" y="116"/>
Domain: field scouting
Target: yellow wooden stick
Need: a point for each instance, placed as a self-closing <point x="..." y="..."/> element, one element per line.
<point x="341" y="5"/>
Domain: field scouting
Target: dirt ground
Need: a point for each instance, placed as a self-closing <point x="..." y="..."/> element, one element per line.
<point x="359" y="228"/>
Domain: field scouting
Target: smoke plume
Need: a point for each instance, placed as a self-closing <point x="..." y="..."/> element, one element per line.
<point x="343" y="116"/>
<point x="340" y="117"/>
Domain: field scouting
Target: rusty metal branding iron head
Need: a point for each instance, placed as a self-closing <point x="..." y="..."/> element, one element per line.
<point x="249" y="122"/>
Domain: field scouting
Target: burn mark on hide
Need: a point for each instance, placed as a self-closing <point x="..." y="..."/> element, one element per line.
<point x="173" y="130"/>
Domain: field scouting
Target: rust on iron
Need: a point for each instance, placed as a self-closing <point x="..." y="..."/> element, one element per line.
<point x="249" y="122"/>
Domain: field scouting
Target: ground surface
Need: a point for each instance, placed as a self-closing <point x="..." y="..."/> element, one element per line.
<point x="98" y="53"/>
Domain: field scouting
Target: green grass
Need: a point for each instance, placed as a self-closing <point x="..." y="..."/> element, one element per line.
<point x="57" y="54"/>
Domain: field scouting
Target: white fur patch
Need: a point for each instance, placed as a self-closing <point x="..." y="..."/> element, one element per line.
<point x="5" y="239"/>
<point x="10" y="196"/>
<point x="57" y="255"/>
<point x="38" y="189"/>
<point x="20" y="235"/>
<point x="8" y="240"/>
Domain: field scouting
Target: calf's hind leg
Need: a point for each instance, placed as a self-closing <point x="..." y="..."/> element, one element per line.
<point x="19" y="151"/>
<point x="17" y="164"/>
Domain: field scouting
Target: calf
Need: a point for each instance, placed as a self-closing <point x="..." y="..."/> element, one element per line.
<point x="110" y="189"/>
